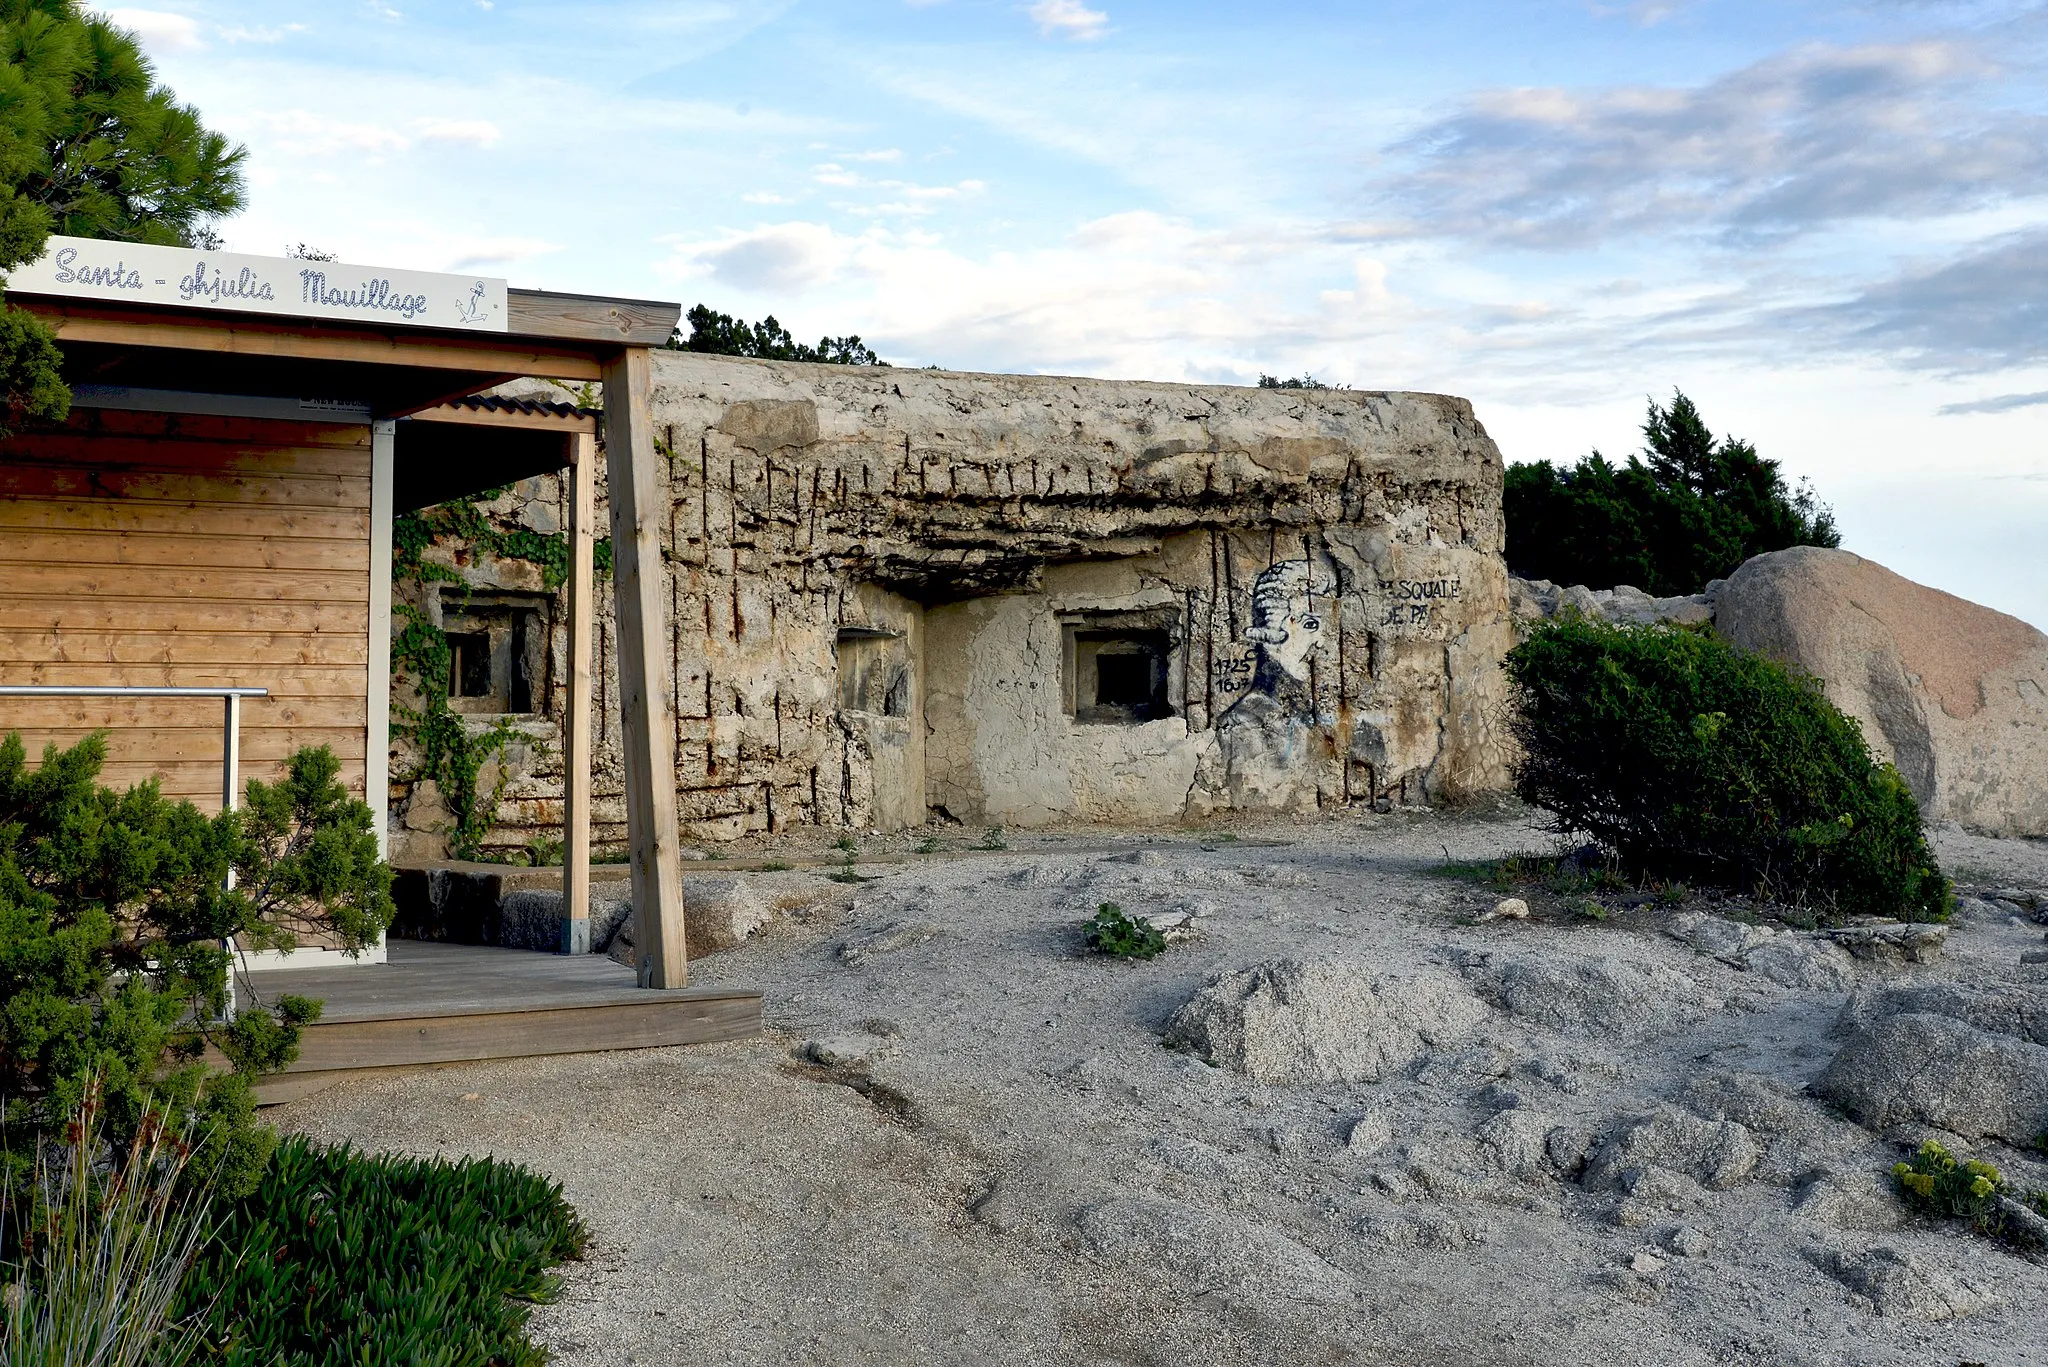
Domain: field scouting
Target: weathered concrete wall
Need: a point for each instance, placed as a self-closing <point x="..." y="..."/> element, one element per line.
<point x="1319" y="571"/>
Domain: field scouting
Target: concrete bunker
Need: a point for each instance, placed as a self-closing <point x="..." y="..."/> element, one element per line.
<point x="1014" y="600"/>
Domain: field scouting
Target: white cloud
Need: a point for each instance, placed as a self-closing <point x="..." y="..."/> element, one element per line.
<point x="782" y="256"/>
<point x="158" y="30"/>
<point x="304" y="133"/>
<point x="263" y="34"/>
<point x="765" y="197"/>
<point x="1133" y="294"/>
<point x="1068" y="19"/>
<point x="480" y="253"/>
<point x="913" y="197"/>
<point x="481" y="132"/>
<point x="1816" y="136"/>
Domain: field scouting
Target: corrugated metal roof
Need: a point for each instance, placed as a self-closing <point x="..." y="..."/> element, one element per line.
<point x="501" y="403"/>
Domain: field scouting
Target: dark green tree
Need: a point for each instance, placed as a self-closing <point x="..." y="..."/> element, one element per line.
<point x="1687" y="510"/>
<point x="91" y="146"/>
<point x="114" y="907"/>
<point x="721" y="334"/>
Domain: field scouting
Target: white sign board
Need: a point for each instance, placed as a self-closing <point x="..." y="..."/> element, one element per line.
<point x="86" y="268"/>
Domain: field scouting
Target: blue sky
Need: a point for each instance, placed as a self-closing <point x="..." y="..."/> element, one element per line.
<point x="1827" y="222"/>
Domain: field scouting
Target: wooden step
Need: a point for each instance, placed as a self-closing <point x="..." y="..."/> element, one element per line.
<point x="439" y="1004"/>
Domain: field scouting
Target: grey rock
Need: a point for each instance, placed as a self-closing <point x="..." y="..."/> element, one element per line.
<point x="1892" y="942"/>
<point x="1857" y="1199"/>
<point x="1948" y="690"/>
<point x="1194" y="1158"/>
<point x="1289" y="1020"/>
<point x="1532" y="600"/>
<point x="1799" y="1134"/>
<point x="1802" y="964"/>
<point x="1654" y="1191"/>
<point x="2025" y="1221"/>
<point x="1716" y="935"/>
<point x="890" y="939"/>
<point x="1604" y="994"/>
<point x="720" y="913"/>
<point x="1898" y="1285"/>
<point x="1518" y="1141"/>
<point x="1687" y="1241"/>
<point x="1369" y="1133"/>
<point x="1716" y="1153"/>
<point x="2021" y="1012"/>
<point x="1209" y="1252"/>
<point x="848" y="1051"/>
<point x="1937" y="1070"/>
<point x="1568" y="1147"/>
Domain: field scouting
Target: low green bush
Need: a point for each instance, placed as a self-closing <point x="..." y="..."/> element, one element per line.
<point x="114" y="908"/>
<point x="1695" y="761"/>
<point x="341" y="1258"/>
<point x="1119" y="936"/>
<point x="1935" y="1182"/>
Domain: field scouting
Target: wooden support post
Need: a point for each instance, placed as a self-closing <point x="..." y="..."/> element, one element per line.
<point x="377" y="732"/>
<point x="582" y="476"/>
<point x="648" y="731"/>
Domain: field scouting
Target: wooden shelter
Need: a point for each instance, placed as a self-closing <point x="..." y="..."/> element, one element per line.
<point x="213" y="523"/>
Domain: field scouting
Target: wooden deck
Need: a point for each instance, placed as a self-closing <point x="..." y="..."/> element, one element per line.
<point x="440" y="1003"/>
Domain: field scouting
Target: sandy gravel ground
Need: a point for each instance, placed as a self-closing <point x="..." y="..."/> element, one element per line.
<point x="1001" y="1162"/>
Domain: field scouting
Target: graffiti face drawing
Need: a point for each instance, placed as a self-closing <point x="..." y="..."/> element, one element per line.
<point x="1288" y="604"/>
<point x="1267" y="741"/>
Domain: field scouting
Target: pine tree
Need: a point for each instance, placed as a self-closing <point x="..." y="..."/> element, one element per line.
<point x="1687" y="510"/>
<point x="90" y="146"/>
<point x="721" y="334"/>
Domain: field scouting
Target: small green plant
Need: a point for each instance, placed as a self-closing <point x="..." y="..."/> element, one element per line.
<point x="848" y="847"/>
<point x="931" y="844"/>
<point x="1110" y="931"/>
<point x="1936" y="1183"/>
<point x="1691" y="760"/>
<point x="992" y="839"/>
<point x="544" y="851"/>
<point x="102" y="1241"/>
<point x="777" y="866"/>
<point x="1587" y="909"/>
<point x="339" y="1256"/>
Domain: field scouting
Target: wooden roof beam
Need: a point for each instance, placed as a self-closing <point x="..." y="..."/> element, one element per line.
<point x="246" y="336"/>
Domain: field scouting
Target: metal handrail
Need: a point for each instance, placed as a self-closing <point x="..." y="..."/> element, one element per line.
<point x="231" y="724"/>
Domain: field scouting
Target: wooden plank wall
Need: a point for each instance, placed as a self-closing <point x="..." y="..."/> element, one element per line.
<point x="178" y="550"/>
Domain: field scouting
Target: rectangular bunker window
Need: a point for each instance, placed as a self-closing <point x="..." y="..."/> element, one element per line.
<point x="874" y="671"/>
<point x="469" y="664"/>
<point x="1118" y="670"/>
<point x="498" y="645"/>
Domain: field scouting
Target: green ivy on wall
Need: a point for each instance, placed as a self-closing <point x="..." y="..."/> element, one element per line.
<point x="449" y="752"/>
<point x="463" y="519"/>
